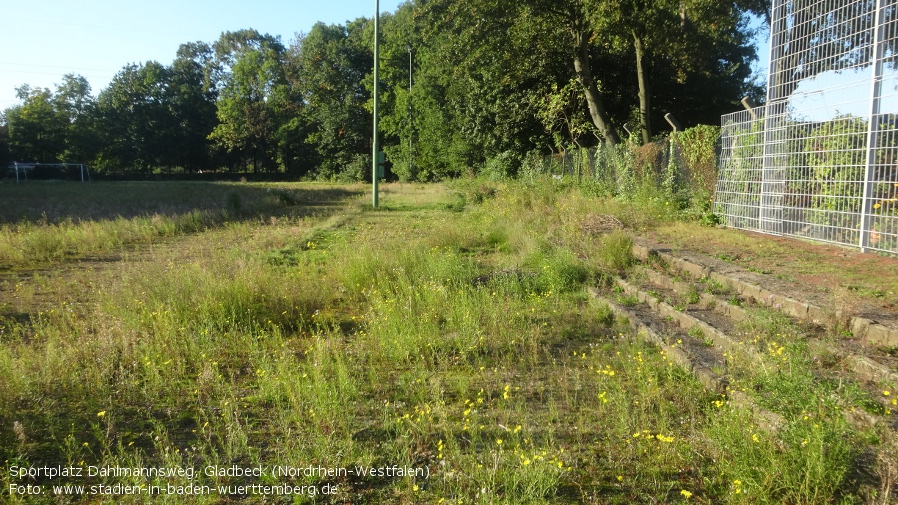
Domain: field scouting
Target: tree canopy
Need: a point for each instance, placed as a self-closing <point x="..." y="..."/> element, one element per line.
<point x="463" y="82"/>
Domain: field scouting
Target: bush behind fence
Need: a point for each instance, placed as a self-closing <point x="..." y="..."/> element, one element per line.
<point x="683" y="164"/>
<point x="832" y="181"/>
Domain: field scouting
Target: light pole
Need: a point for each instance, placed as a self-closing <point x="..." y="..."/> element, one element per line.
<point x="375" y="158"/>
<point x="411" y="115"/>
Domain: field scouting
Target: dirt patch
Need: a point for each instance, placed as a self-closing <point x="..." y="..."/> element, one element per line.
<point x="597" y="224"/>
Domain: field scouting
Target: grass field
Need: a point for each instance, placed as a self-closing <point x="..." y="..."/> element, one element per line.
<point x="443" y="345"/>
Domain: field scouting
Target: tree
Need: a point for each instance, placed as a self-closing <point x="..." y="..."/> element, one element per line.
<point x="335" y="62"/>
<point x="646" y="25"/>
<point x="683" y="39"/>
<point x="250" y="77"/>
<point x="598" y="40"/>
<point x="525" y="48"/>
<point x="4" y="141"/>
<point x="478" y="68"/>
<point x="154" y="117"/>
<point x="53" y="127"/>
<point x="760" y="8"/>
<point x="561" y="112"/>
<point x="191" y="101"/>
<point x="706" y="68"/>
<point x="36" y="130"/>
<point x="76" y="106"/>
<point x="492" y="79"/>
<point x="399" y="40"/>
<point x="134" y="121"/>
<point x="572" y="16"/>
<point x="294" y="151"/>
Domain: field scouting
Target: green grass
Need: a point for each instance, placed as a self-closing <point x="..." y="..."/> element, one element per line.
<point x="426" y="335"/>
<point x="42" y="223"/>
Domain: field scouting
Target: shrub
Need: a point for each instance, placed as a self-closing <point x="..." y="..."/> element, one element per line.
<point x="617" y="251"/>
<point x="502" y="166"/>
<point x="698" y="148"/>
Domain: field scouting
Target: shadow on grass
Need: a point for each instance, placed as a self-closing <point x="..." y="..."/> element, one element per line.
<point x="55" y="202"/>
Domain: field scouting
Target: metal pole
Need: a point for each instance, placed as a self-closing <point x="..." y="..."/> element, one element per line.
<point x="669" y="179"/>
<point x="750" y="105"/>
<point x="17" y="172"/>
<point x="563" y="160"/>
<point x="770" y="212"/>
<point x="873" y="125"/>
<point x="376" y="148"/>
<point x="411" y="118"/>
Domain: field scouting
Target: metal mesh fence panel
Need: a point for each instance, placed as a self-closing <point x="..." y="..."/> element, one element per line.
<point x="820" y="159"/>
<point x="738" y="195"/>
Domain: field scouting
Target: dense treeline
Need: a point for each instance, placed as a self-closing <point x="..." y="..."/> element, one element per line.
<point x="489" y="79"/>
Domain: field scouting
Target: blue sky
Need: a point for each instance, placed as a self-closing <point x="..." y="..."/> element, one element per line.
<point x="46" y="39"/>
<point x="834" y="93"/>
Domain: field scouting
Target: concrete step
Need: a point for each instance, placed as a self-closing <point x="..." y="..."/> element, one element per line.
<point x="870" y="364"/>
<point x="679" y="299"/>
<point x="869" y="331"/>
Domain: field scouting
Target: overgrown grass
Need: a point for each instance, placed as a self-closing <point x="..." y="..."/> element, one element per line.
<point x="454" y="341"/>
<point x="46" y="222"/>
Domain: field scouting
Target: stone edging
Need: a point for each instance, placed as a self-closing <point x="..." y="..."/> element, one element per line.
<point x="865" y="330"/>
<point x="866" y="368"/>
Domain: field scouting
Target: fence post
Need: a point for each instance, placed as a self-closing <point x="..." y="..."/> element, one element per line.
<point x="770" y="216"/>
<point x="563" y="161"/>
<point x="872" y="125"/>
<point x="750" y="105"/>
<point x="579" y="163"/>
<point x="670" y="177"/>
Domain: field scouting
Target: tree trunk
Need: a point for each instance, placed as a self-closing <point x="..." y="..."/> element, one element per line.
<point x="645" y="97"/>
<point x="597" y="110"/>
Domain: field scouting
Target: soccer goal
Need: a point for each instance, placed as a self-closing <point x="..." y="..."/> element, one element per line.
<point x="49" y="171"/>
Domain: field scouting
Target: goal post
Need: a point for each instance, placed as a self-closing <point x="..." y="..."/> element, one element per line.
<point x="47" y="171"/>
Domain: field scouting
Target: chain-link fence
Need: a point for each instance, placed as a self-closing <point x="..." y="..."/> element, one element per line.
<point x="820" y="159"/>
<point x="619" y="170"/>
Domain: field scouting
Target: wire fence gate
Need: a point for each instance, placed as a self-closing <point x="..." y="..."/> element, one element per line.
<point x="820" y="159"/>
